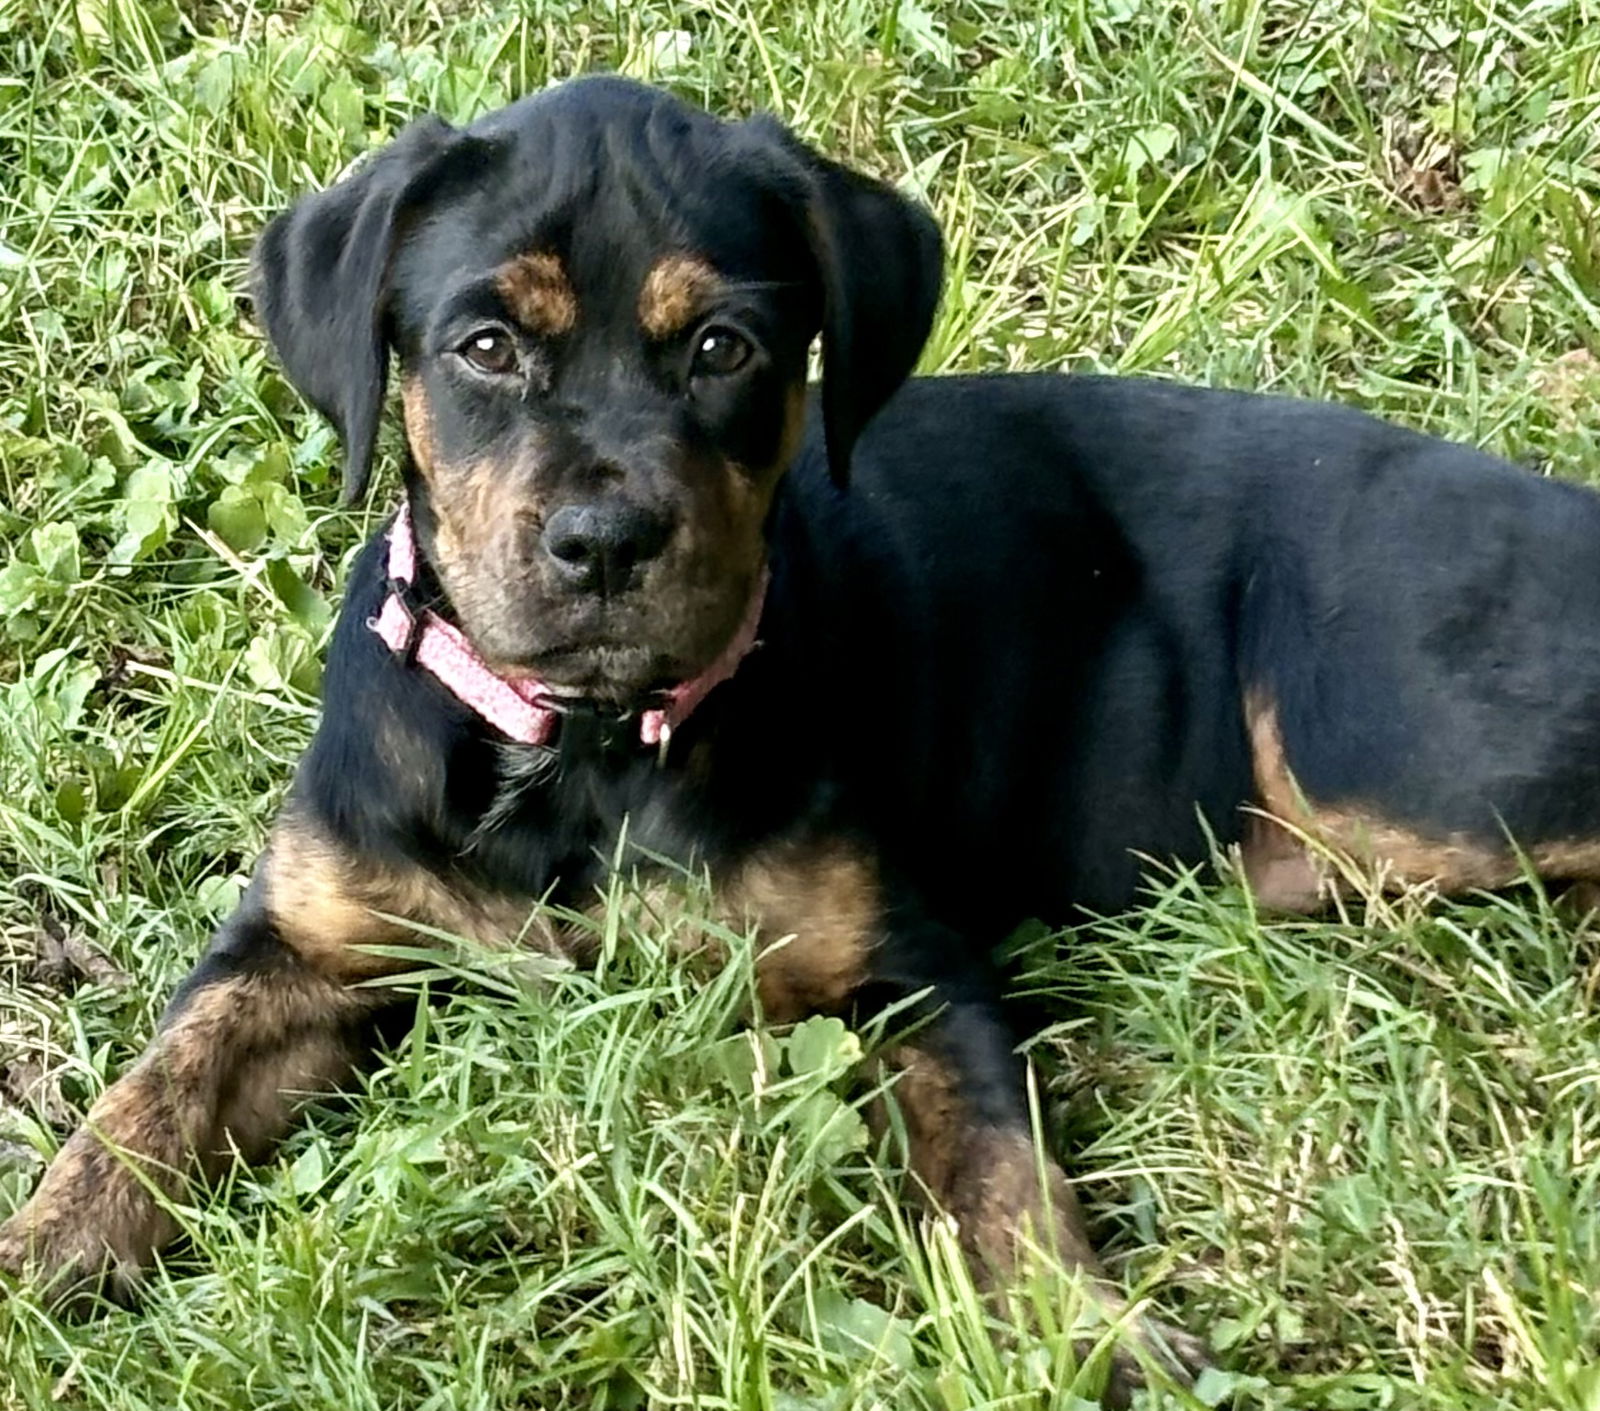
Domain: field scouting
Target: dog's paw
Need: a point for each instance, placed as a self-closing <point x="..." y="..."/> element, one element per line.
<point x="15" y="1244"/>
<point x="1149" y="1343"/>
<point x="58" y="1261"/>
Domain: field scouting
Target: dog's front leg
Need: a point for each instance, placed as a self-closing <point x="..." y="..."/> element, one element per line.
<point x="272" y="1013"/>
<point x="233" y="1049"/>
<point x="837" y="936"/>
<point x="959" y="1091"/>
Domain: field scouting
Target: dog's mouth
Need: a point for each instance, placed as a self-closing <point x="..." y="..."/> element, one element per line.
<point x="605" y="657"/>
<point x="597" y="670"/>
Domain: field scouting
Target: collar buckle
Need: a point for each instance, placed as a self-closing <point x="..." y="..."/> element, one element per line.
<point x="399" y="593"/>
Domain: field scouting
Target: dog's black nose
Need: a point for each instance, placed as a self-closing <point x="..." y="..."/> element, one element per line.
<point x="597" y="547"/>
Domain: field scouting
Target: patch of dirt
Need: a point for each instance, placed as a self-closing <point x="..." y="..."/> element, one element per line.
<point x="1571" y="385"/>
<point x="1424" y="168"/>
<point x="63" y="960"/>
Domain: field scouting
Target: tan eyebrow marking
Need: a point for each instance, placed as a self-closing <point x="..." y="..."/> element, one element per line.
<point x="536" y="287"/>
<point x="678" y="289"/>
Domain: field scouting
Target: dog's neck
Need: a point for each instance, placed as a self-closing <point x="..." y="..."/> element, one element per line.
<point x="525" y="709"/>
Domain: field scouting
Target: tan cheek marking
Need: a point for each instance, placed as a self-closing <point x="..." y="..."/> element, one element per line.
<point x="482" y="527"/>
<point x="471" y="508"/>
<point x="794" y="424"/>
<point x="676" y="290"/>
<point x="418" y="424"/>
<point x="730" y="530"/>
<point x="536" y="288"/>
<point x="724" y="529"/>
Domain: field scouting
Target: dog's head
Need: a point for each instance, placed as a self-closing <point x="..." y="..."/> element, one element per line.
<point x="601" y="302"/>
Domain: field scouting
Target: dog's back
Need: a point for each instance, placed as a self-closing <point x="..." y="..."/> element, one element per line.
<point x="1084" y="605"/>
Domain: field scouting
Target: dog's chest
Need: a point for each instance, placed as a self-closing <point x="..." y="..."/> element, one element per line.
<point x="556" y="825"/>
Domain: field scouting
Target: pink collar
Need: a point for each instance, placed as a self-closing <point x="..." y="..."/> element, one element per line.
<point x="521" y="707"/>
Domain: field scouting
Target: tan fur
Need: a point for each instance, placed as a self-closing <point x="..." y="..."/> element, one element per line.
<point x="794" y="424"/>
<point x="1287" y="874"/>
<point x="726" y="525"/>
<point x="1282" y="873"/>
<point x="224" y="1073"/>
<point x="815" y="908"/>
<point x="676" y="291"/>
<point x="536" y="288"/>
<point x="223" y="1076"/>
<point x="486" y="515"/>
<point x="987" y="1178"/>
<point x="418" y="417"/>
<point x="476" y="506"/>
<point x="819" y="912"/>
<point x="326" y="904"/>
<point x="1575" y="860"/>
<point x="471" y="502"/>
<point x="1011" y="1204"/>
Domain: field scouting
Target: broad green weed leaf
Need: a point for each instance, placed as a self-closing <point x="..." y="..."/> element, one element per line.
<point x="237" y="517"/>
<point x="852" y="1326"/>
<point x="303" y="601"/>
<point x="822" y="1045"/>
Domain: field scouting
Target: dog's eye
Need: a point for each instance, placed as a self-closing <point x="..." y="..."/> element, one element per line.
<point x="719" y="352"/>
<point x="491" y="350"/>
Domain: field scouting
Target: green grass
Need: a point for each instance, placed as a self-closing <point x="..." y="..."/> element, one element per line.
<point x="1361" y="1154"/>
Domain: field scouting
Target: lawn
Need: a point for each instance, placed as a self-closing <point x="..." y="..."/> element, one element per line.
<point x="1361" y="1155"/>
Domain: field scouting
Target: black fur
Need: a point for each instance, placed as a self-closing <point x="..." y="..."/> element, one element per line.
<point x="1012" y="656"/>
<point x="1006" y="663"/>
<point x="321" y="286"/>
<point x="880" y="262"/>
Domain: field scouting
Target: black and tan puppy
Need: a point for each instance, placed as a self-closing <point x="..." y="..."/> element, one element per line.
<point x="898" y="665"/>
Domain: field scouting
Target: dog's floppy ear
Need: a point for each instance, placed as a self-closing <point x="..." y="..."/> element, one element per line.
<point x="880" y="261"/>
<point x="321" y="270"/>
